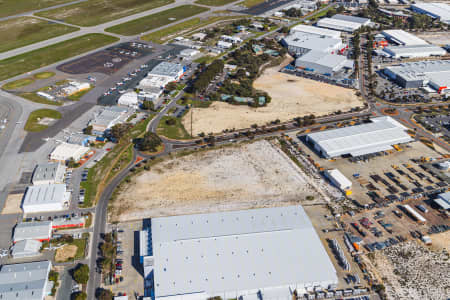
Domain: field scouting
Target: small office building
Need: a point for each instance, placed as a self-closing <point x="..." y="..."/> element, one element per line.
<point x="26" y="248"/>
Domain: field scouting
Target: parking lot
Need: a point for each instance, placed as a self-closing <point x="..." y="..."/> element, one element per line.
<point x="107" y="61"/>
<point x="128" y="260"/>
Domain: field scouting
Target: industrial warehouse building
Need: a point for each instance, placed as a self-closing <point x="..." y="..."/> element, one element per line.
<point x="379" y="135"/>
<point x="299" y="43"/>
<point x="319" y="62"/>
<point x="65" y="152"/>
<point x="440" y="11"/>
<point x="26" y="248"/>
<point x="49" y="173"/>
<point x="42" y="198"/>
<point x="316" y="31"/>
<point x="339" y="180"/>
<point x="109" y="117"/>
<point x="259" y="253"/>
<point x="128" y="99"/>
<point x="413" y="51"/>
<point x="25" y="281"/>
<point x="434" y="74"/>
<point x="443" y="200"/>
<point x="39" y="231"/>
<point x="401" y="37"/>
<point x="173" y="71"/>
<point x="343" y="23"/>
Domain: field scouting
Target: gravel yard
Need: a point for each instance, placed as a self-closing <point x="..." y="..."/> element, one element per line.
<point x="231" y="178"/>
<point x="411" y="271"/>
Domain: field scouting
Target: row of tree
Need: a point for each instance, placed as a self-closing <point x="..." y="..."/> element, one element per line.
<point x="208" y="73"/>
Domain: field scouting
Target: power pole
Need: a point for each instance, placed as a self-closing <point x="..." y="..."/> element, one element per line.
<point x="191" y="119"/>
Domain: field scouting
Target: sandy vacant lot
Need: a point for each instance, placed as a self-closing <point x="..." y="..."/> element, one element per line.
<point x="292" y="96"/>
<point x="437" y="38"/>
<point x="65" y="252"/>
<point x="239" y="177"/>
<point x="411" y="271"/>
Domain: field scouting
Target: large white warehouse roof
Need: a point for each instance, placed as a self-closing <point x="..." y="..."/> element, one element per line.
<point x="66" y="151"/>
<point x="337" y="24"/>
<point x="358" y="140"/>
<point x="437" y="10"/>
<point x="238" y="252"/>
<point x="414" y="51"/>
<point x="25" y="281"/>
<point x="402" y="37"/>
<point x="316" y="30"/>
<point x="40" y="198"/>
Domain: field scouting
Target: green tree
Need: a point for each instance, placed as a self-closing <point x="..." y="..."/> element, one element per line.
<point x="79" y="296"/>
<point x="171" y="86"/>
<point x="103" y="294"/>
<point x="150" y="142"/>
<point x="120" y="130"/>
<point x="88" y="130"/>
<point x="81" y="274"/>
<point x="148" y="105"/>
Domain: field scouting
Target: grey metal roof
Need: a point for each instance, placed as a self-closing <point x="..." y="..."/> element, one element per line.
<point x="24" y="281"/>
<point x="312" y="41"/>
<point x="44" y="194"/>
<point x="423" y="70"/>
<point x="32" y="230"/>
<point x="439" y="10"/>
<point x="415" y="49"/>
<point x="26" y="248"/>
<point x="361" y="139"/>
<point x="351" y="19"/>
<point x="321" y="58"/>
<point x="237" y="251"/>
<point x="167" y="69"/>
<point x="48" y="171"/>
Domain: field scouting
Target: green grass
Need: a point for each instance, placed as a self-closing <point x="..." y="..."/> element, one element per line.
<point x="77" y="96"/>
<point x="38" y="99"/>
<point x="14" y="7"/>
<point x="214" y="2"/>
<point x="168" y="33"/>
<point x="32" y="124"/>
<point x="319" y="15"/>
<point x="44" y="75"/>
<point x="81" y="247"/>
<point x="157" y="20"/>
<point x="250" y="3"/>
<point x="94" y="12"/>
<point x="194" y="103"/>
<point x="42" y="57"/>
<point x="22" y="31"/>
<point x="176" y="132"/>
<point x="97" y="173"/>
<point x="17" y="84"/>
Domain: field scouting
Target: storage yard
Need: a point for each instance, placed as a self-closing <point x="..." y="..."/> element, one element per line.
<point x="412" y="271"/>
<point x="311" y="97"/>
<point x="248" y="176"/>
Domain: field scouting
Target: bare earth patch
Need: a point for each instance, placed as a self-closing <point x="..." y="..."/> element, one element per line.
<point x="292" y="96"/>
<point x="66" y="252"/>
<point x="412" y="271"/>
<point x="12" y="205"/>
<point x="232" y="178"/>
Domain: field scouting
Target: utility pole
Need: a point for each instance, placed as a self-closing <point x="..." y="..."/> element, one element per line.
<point x="191" y="119"/>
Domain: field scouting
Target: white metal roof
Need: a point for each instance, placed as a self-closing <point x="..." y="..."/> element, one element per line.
<point x="316" y="30"/>
<point x="32" y="231"/>
<point x="312" y="41"/>
<point x="362" y="21"/>
<point x="443" y="200"/>
<point x="415" y="50"/>
<point x="26" y="248"/>
<point x="378" y="135"/>
<point x="65" y="151"/>
<point x="338" y="24"/>
<point x="24" y="281"/>
<point x="402" y="37"/>
<point x="429" y="70"/>
<point x="237" y="251"/>
<point x="435" y="9"/>
<point x="413" y="212"/>
<point x="167" y="69"/>
<point x="45" y="194"/>
<point x="53" y="171"/>
<point x="340" y="178"/>
<point x="128" y="99"/>
<point x="333" y="61"/>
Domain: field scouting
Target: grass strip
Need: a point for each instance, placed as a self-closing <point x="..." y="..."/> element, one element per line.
<point x="42" y="57"/>
<point x="156" y="20"/>
<point x="175" y="131"/>
<point x="33" y="125"/>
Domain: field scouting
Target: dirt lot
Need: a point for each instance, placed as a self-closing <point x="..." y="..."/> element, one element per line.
<point x="65" y="252"/>
<point x="292" y="96"/>
<point x="437" y="38"/>
<point x="411" y="271"/>
<point x="239" y="177"/>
